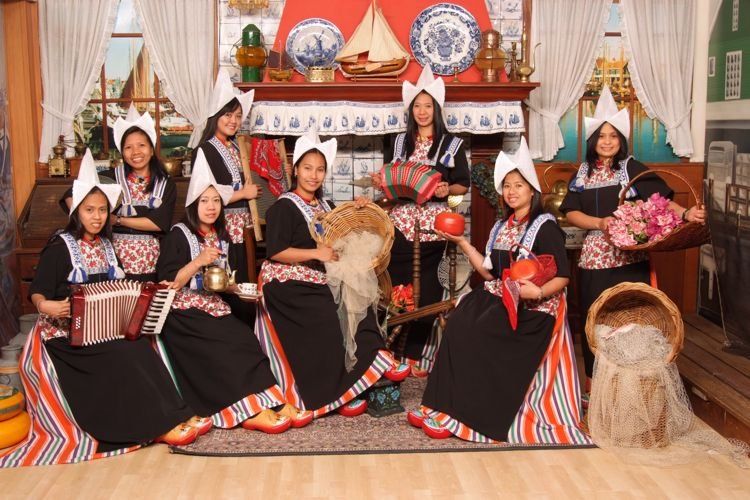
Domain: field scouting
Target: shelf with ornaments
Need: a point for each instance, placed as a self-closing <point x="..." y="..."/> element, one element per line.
<point x="383" y="91"/>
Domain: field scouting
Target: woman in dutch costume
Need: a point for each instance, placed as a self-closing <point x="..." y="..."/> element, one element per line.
<point x="218" y="364"/>
<point x="229" y="108"/>
<point x="427" y="141"/>
<point x="97" y="400"/>
<point x="507" y="373"/>
<point x="148" y="197"/>
<point x="593" y="196"/>
<point x="297" y="321"/>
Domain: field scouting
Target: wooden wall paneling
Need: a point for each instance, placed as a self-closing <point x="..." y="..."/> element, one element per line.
<point x="21" y="25"/>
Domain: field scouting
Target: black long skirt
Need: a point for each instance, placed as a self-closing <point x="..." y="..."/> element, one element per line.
<point x="216" y="361"/>
<point x="306" y="321"/>
<point x="593" y="283"/>
<point x="238" y="262"/>
<point x="483" y="367"/>
<point x="401" y="270"/>
<point x="119" y="391"/>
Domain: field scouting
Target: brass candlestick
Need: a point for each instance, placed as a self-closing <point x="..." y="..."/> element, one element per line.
<point x="513" y="62"/>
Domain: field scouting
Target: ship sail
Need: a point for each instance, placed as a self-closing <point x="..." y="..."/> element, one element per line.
<point x="374" y="41"/>
<point x="386" y="46"/>
<point x="360" y="41"/>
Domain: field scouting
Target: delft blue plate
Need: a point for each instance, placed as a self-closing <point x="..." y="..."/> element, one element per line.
<point x="314" y="42"/>
<point x="445" y="36"/>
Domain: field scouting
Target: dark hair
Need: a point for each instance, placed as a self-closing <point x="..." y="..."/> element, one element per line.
<point x="75" y="226"/>
<point x="211" y="123"/>
<point x="193" y="222"/>
<point x="438" y="127"/>
<point x="535" y="210"/>
<point x="319" y="191"/>
<point x="592" y="156"/>
<point x="155" y="166"/>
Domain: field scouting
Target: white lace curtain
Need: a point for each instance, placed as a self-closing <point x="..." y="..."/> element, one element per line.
<point x="179" y="35"/>
<point x="570" y="33"/>
<point x="73" y="40"/>
<point x="659" y="35"/>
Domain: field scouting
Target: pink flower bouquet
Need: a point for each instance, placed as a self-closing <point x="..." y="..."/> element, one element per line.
<point x="638" y="222"/>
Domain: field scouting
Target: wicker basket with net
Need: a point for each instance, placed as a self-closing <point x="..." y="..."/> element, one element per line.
<point x="687" y="235"/>
<point x="327" y="228"/>
<point x="637" y="303"/>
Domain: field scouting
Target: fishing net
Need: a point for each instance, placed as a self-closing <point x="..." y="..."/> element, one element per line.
<point x="639" y="407"/>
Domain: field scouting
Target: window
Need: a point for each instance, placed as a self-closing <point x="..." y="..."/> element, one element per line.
<point x="735" y="15"/>
<point x="732" y="75"/>
<point x="647" y="137"/>
<point x="127" y="76"/>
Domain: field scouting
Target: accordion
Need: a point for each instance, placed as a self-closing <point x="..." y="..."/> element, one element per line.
<point x="411" y="180"/>
<point x="117" y="309"/>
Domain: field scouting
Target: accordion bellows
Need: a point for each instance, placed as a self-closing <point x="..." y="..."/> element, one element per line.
<point x="411" y="180"/>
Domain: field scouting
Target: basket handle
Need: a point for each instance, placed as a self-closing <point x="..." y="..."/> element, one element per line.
<point x="544" y="174"/>
<point x="518" y="245"/>
<point x="661" y="171"/>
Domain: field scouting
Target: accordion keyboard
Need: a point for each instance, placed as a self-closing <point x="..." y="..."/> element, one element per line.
<point x="157" y="312"/>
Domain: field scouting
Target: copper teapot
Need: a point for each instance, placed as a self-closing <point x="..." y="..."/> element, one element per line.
<point x="218" y="279"/>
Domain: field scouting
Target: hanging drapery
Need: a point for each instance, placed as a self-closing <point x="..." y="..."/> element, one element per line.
<point x="73" y="40"/>
<point x="570" y="34"/>
<point x="179" y="35"/>
<point x="659" y="37"/>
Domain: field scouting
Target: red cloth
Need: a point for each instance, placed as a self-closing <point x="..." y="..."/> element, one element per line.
<point x="400" y="14"/>
<point x="511" y="298"/>
<point x="266" y="161"/>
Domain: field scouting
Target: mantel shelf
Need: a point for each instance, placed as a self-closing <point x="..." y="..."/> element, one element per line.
<point x="367" y="91"/>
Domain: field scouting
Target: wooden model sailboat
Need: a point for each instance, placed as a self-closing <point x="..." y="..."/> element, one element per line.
<point x="373" y="49"/>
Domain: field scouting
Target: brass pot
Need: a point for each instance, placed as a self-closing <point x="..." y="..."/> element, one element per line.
<point x="173" y="166"/>
<point x="217" y="279"/>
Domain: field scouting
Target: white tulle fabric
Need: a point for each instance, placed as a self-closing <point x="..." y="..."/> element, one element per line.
<point x="354" y="284"/>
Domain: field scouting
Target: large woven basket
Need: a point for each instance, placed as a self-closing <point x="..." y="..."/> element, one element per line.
<point x="637" y="303"/>
<point x="328" y="227"/>
<point x="687" y="235"/>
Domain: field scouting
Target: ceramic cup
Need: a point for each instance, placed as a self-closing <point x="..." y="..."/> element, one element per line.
<point x="248" y="288"/>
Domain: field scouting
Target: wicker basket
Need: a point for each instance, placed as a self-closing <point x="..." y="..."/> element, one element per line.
<point x="688" y="235"/>
<point x="386" y="287"/>
<point x="636" y="303"/>
<point x="328" y="227"/>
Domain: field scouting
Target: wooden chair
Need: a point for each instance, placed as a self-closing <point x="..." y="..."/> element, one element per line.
<point x="439" y="309"/>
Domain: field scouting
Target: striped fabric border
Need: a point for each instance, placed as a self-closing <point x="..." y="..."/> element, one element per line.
<point x="551" y="410"/>
<point x="382" y="362"/>
<point x="269" y="342"/>
<point x="234" y="415"/>
<point x="54" y="437"/>
<point x="458" y="429"/>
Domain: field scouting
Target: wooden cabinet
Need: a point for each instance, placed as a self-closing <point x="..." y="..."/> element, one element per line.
<point x="27" y="260"/>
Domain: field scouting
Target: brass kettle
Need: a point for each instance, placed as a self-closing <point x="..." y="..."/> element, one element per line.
<point x="217" y="279"/>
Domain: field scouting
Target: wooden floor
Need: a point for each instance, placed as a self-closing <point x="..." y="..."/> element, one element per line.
<point x="589" y="473"/>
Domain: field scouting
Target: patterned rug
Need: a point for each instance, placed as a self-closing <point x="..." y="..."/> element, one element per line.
<point x="337" y="435"/>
